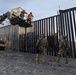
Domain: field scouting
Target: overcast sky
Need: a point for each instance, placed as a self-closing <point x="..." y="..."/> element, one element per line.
<point x="39" y="8"/>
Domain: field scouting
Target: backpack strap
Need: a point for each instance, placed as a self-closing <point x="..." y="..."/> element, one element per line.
<point x="39" y="42"/>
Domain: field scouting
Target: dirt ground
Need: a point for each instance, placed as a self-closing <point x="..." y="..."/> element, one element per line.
<point x="19" y="63"/>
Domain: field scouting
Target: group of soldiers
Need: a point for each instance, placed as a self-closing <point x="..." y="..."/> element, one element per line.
<point x="41" y="48"/>
<point x="42" y="45"/>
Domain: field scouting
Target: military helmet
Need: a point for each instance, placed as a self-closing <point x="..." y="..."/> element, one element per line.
<point x="64" y="37"/>
<point x="42" y="35"/>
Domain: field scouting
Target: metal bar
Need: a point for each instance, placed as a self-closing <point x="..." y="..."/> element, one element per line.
<point x="47" y="31"/>
<point x="60" y="27"/>
<point x="67" y="16"/>
<point x="73" y="44"/>
<point x="74" y="20"/>
<point x="54" y="51"/>
<point x="40" y="26"/>
<point x="57" y="26"/>
<point x="38" y="29"/>
<point x="44" y="26"/>
<point x="63" y="23"/>
<point x="49" y="36"/>
<point x="49" y="26"/>
<point x="52" y="35"/>
<point x="34" y="37"/>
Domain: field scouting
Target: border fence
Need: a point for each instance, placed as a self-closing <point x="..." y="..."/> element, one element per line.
<point x="52" y="27"/>
<point x="68" y="27"/>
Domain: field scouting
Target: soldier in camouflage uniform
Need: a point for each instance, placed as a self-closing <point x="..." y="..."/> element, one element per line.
<point x="41" y="48"/>
<point x="63" y="48"/>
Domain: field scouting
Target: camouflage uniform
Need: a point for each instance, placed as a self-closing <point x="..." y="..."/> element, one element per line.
<point x="41" y="50"/>
<point x="63" y="48"/>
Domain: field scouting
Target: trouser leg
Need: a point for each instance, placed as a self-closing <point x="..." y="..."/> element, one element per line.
<point x="44" y="56"/>
<point x="58" y="59"/>
<point x="37" y="58"/>
<point x="59" y="55"/>
<point x="66" y="60"/>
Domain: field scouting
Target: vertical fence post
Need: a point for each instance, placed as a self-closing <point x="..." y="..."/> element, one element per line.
<point x="72" y="34"/>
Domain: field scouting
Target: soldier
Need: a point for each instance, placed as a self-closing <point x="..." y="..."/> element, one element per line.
<point x="63" y="49"/>
<point x="41" y="48"/>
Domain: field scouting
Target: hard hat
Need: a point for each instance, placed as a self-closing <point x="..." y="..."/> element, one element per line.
<point x="23" y="11"/>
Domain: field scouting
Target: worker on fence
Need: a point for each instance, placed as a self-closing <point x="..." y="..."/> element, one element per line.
<point x="22" y="14"/>
<point x="63" y="49"/>
<point x="3" y="44"/>
<point x="41" y="47"/>
<point x="29" y="18"/>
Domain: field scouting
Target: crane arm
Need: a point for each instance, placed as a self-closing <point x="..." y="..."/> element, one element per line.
<point x="4" y="16"/>
<point x="15" y="18"/>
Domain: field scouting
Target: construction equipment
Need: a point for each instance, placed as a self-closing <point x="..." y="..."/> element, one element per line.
<point x="16" y="17"/>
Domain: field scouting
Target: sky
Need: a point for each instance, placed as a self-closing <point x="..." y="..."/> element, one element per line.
<point x="40" y="8"/>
